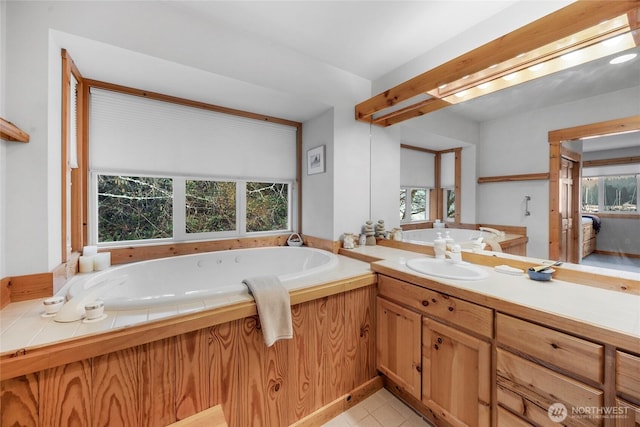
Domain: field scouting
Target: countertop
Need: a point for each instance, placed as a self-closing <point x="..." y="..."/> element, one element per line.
<point x="22" y="324"/>
<point x="607" y="310"/>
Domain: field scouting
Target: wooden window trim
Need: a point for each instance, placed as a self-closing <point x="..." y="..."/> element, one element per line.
<point x="76" y="209"/>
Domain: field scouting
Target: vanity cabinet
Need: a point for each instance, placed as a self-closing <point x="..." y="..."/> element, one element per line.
<point x="456" y="374"/>
<point x="398" y="348"/>
<point x="453" y="339"/>
<point x="538" y="367"/>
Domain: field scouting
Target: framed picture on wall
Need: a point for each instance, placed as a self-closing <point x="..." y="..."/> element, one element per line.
<point x="315" y="160"/>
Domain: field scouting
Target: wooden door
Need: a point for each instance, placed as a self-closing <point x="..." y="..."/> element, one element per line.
<point x="398" y="345"/>
<point x="456" y="378"/>
<point x="566" y="210"/>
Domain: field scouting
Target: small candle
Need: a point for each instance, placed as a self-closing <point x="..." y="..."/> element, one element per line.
<point x="86" y="264"/>
<point x="89" y="250"/>
<point x="102" y="261"/>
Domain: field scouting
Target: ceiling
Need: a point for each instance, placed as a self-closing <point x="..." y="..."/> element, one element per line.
<point x="369" y="39"/>
<point x="366" y="38"/>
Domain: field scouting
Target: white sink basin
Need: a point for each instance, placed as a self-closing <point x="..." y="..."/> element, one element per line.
<point x="446" y="269"/>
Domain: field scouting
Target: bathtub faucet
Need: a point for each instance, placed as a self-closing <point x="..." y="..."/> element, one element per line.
<point x="73" y="309"/>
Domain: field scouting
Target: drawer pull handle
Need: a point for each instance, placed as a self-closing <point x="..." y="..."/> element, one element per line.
<point x="425" y="303"/>
<point x="450" y="308"/>
<point x="436" y="346"/>
<point x="439" y="340"/>
<point x="419" y="368"/>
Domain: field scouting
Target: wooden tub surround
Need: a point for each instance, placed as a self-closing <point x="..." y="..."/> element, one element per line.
<point x="161" y="372"/>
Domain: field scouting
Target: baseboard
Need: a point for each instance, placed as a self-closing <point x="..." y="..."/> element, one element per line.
<point x="341" y="404"/>
<point x="620" y="254"/>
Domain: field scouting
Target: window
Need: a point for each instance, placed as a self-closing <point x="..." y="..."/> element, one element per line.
<point x="612" y="193"/>
<point x="418" y="204"/>
<point x="133" y="208"/>
<point x="450" y="205"/>
<point x="165" y="170"/>
<point x="210" y="206"/>
<point x="267" y="206"/>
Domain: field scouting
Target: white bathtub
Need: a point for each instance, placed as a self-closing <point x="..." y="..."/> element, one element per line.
<point x="185" y="278"/>
<point x="428" y="235"/>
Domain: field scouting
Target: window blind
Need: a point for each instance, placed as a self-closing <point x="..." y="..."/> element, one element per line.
<point x="135" y="134"/>
<point x="416" y="168"/>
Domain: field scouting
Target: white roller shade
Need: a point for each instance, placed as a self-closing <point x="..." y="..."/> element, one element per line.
<point x="131" y="133"/>
<point x="448" y="170"/>
<point x="416" y="168"/>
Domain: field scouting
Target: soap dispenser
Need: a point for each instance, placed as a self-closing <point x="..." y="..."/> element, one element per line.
<point x="448" y="240"/>
<point x="440" y="246"/>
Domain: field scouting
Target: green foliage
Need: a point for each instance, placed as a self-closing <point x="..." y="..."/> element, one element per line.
<point x="211" y="206"/>
<point x="134" y="208"/>
<point x="141" y="208"/>
<point x="267" y="206"/>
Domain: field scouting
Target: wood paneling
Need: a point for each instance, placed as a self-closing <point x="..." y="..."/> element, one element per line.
<point x="115" y="389"/>
<point x="171" y="378"/>
<point x="5" y="292"/>
<point x="31" y="286"/>
<point x="64" y="391"/>
<point x="19" y="400"/>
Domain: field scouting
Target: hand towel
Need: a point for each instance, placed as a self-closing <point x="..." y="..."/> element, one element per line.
<point x="274" y="307"/>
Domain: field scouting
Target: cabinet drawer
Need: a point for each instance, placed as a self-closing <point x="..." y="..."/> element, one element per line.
<point x="628" y="374"/>
<point x="587" y="232"/>
<point x="629" y="415"/>
<point x="567" y="352"/>
<point x="541" y="387"/>
<point x="507" y="419"/>
<point x="458" y="312"/>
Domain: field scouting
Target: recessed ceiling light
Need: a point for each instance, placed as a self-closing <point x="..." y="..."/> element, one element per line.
<point x="510" y="76"/>
<point x="623" y="58"/>
<point x="536" y="67"/>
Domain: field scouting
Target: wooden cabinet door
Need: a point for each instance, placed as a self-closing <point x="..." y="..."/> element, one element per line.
<point x="398" y="345"/>
<point x="456" y="377"/>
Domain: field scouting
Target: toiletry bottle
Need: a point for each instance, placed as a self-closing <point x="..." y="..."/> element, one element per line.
<point x="440" y="246"/>
<point x="448" y="240"/>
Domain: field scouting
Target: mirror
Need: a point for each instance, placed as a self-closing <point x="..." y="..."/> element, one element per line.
<point x="557" y="95"/>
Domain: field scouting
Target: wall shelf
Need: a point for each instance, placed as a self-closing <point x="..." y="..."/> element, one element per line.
<point x="511" y="178"/>
<point x="10" y="132"/>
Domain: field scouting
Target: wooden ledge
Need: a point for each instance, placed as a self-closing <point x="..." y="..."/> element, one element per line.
<point x="11" y="132"/>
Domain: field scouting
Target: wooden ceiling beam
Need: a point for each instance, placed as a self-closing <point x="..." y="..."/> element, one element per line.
<point x="569" y="20"/>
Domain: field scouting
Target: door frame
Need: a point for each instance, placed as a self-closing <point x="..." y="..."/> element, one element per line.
<point x="556" y="137"/>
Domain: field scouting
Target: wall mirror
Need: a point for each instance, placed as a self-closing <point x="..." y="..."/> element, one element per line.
<point x="588" y="80"/>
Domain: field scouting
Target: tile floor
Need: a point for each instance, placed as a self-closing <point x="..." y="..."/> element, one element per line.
<point x="614" y="262"/>
<point x="381" y="409"/>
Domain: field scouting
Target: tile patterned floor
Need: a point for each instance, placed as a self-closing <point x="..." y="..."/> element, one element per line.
<point x="381" y="409"/>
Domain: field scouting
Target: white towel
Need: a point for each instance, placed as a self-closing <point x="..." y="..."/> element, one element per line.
<point x="274" y="307"/>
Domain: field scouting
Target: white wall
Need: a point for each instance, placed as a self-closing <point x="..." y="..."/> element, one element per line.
<point x="31" y="172"/>
<point x="351" y="189"/>
<point x="518" y="144"/>
<point x="3" y="164"/>
<point x="385" y="176"/>
<point x="317" y="197"/>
